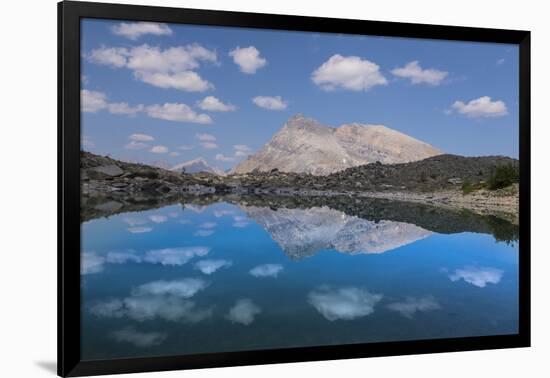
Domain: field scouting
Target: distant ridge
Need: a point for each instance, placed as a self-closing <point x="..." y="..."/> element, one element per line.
<point x="197" y="166"/>
<point x="305" y="146"/>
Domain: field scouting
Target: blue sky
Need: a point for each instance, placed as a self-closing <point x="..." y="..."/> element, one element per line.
<point x="171" y="93"/>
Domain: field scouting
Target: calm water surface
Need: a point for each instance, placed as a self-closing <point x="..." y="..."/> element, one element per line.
<point x="187" y="279"/>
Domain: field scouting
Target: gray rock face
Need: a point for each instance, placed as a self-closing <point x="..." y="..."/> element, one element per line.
<point x="305" y="146"/>
<point x="304" y="232"/>
<point x="111" y="170"/>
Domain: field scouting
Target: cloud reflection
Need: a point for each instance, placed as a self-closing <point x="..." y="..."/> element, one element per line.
<point x="211" y="266"/>
<point x="137" y="338"/>
<point x="167" y="300"/>
<point x="91" y="262"/>
<point x="139" y="230"/>
<point x="411" y="305"/>
<point x="244" y="311"/>
<point x="476" y="276"/>
<point x="221" y="213"/>
<point x="203" y="233"/>
<point x="266" y="270"/>
<point x="208" y="225"/>
<point x="122" y="257"/>
<point x="345" y="303"/>
<point x="174" y="256"/>
<point x="158" y="218"/>
<point x="184" y="288"/>
<point x="240" y="221"/>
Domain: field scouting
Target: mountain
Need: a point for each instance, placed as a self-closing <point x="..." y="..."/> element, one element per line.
<point x="305" y="146"/>
<point x="304" y="232"/>
<point x="196" y="166"/>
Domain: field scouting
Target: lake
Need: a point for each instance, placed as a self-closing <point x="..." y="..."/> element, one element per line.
<point x="232" y="274"/>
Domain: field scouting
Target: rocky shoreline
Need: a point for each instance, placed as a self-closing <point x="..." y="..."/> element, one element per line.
<point x="110" y="183"/>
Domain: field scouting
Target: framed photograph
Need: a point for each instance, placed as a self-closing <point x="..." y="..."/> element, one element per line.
<point x="239" y="188"/>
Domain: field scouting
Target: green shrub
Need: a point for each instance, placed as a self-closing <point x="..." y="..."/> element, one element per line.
<point x="503" y="176"/>
<point x="467" y="187"/>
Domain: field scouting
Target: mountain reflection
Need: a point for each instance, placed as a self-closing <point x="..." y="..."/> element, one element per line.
<point x="302" y="226"/>
<point x="304" y="232"/>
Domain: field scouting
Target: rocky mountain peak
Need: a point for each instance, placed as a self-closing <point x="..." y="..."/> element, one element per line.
<point x="303" y="145"/>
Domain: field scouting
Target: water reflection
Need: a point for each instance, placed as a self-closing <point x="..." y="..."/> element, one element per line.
<point x="167" y="300"/>
<point x="477" y="276"/>
<point x="243" y="312"/>
<point x="202" y="275"/>
<point x="345" y="303"/>
<point x="304" y="232"/>
<point x="411" y="305"/>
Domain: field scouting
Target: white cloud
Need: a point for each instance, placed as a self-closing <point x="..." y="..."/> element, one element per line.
<point x="91" y="263"/>
<point x="270" y="103"/>
<point x="139" y="339"/>
<point x="209" y="145"/>
<point x="139" y="230"/>
<point x="500" y="61"/>
<point x="248" y="59"/>
<point x="92" y="101"/>
<point x="207" y="141"/>
<point x="417" y="75"/>
<point x="343" y="304"/>
<point x="174" y="256"/>
<point x="184" y="288"/>
<point x="177" y="112"/>
<point x="222" y="157"/>
<point x="174" y="153"/>
<point x="87" y="141"/>
<point x="169" y="68"/>
<point x="240" y="224"/>
<point x="476" y="276"/>
<point x="203" y="233"/>
<point x="134" y="30"/>
<point x="132" y="145"/>
<point x="244" y="311"/>
<point x="266" y="270"/>
<point x="204" y="137"/>
<point x="147" y="58"/>
<point x="109" y="56"/>
<point x="348" y="72"/>
<point x="124" y="108"/>
<point x="158" y="218"/>
<point x="189" y="81"/>
<point x="411" y="305"/>
<point x="211" y="266"/>
<point x="186" y="147"/>
<point x="159" y="149"/>
<point x="141" y="138"/>
<point x="481" y="107"/>
<point x="213" y="104"/>
<point x="242" y="150"/>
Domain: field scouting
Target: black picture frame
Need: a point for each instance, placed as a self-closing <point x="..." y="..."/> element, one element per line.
<point x="69" y="15"/>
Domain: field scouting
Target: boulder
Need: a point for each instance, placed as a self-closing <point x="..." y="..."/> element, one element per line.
<point x="111" y="170"/>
